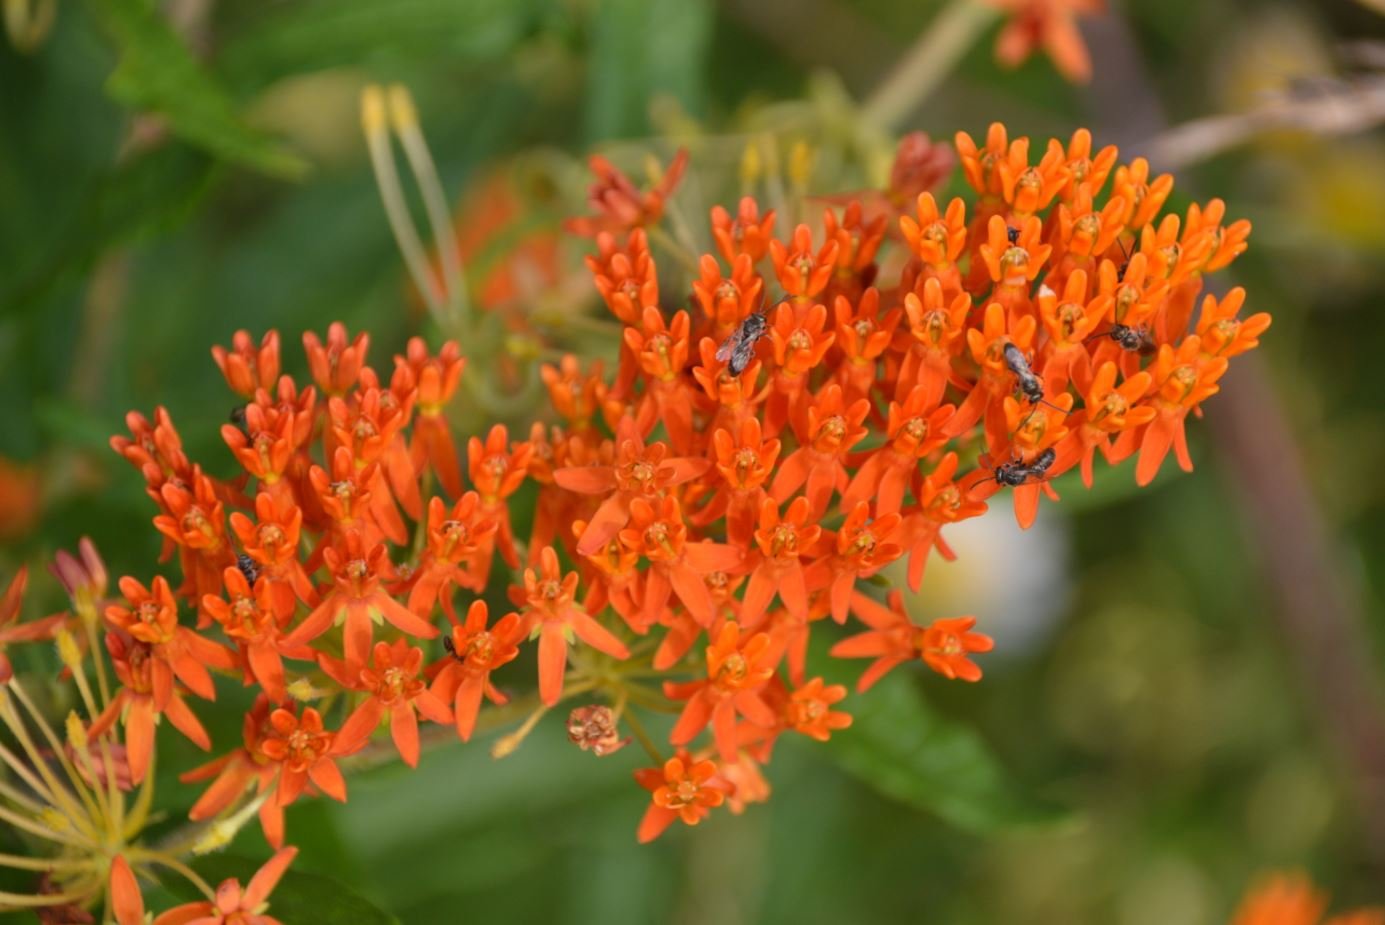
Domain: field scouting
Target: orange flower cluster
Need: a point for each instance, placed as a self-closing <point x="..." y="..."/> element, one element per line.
<point x="751" y="464"/>
<point x="1290" y="898"/>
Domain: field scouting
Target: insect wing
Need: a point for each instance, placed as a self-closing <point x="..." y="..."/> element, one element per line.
<point x="728" y="346"/>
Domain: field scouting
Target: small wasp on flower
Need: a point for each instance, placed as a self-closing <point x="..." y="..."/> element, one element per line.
<point x="738" y="349"/>
<point x="1017" y="472"/>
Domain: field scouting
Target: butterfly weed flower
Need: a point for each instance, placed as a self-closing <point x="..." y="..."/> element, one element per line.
<point x="672" y="531"/>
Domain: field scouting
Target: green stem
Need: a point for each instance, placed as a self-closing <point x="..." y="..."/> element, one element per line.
<point x="931" y="58"/>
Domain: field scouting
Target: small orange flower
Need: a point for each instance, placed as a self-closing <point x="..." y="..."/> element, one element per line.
<point x="737" y="670"/>
<point x="801" y="272"/>
<point x="552" y="614"/>
<point x="247" y="617"/>
<point x="393" y="686"/>
<point x="437" y="379"/>
<point x="1050" y="24"/>
<point x="625" y="277"/>
<point x="682" y="789"/>
<point x="893" y="639"/>
<point x="12" y="631"/>
<point x="638" y="471"/>
<point x="810" y="712"/>
<point x="357" y="600"/>
<point x="748" y="233"/>
<point x="778" y="570"/>
<point x="336" y="366"/>
<point x="247" y="367"/>
<point x="234" y="904"/>
<point x="947" y="642"/>
<point x="475" y="652"/>
<point x="618" y="204"/>
<point x="862" y="548"/>
<point x="305" y="752"/>
<point x="676" y="566"/>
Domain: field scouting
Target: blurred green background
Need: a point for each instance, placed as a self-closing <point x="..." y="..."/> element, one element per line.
<point x="1187" y="673"/>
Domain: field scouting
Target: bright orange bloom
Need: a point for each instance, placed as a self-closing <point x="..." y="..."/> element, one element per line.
<point x="682" y="789"/>
<point x="936" y="238"/>
<point x="1291" y="899"/>
<point x="727" y="301"/>
<point x="247" y="617"/>
<point x="239" y="769"/>
<point x="1144" y="198"/>
<point x="624" y="276"/>
<point x="475" y="652"/>
<point x="862" y="548"/>
<point x="893" y="639"/>
<point x="393" y="687"/>
<point x="144" y="696"/>
<point x="1182" y="380"/>
<point x="273" y="544"/>
<point x="12" y="631"/>
<point x="662" y="352"/>
<point x="818" y="466"/>
<point x="863" y="337"/>
<point x="744" y="462"/>
<point x="247" y="367"/>
<point x="458" y="539"/>
<point x="234" y="904"/>
<point x="305" y="752"/>
<point x="125" y="900"/>
<point x="497" y="469"/>
<point x="358" y="600"/>
<point x="782" y="543"/>
<point x="748" y="234"/>
<point x="336" y="366"/>
<point x="938" y="331"/>
<point x="552" y="613"/>
<point x="801" y="272"/>
<point x="941" y="500"/>
<point x="151" y="617"/>
<point x="618" y="204"/>
<point x="737" y="669"/>
<point x="676" y="566"/>
<point x="914" y="431"/>
<point x="436" y="379"/>
<point x="1221" y="333"/>
<point x="809" y="710"/>
<point x="638" y="471"/>
<point x="1050" y="24"/>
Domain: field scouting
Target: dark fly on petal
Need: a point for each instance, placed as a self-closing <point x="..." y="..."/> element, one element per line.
<point x="739" y="349"/>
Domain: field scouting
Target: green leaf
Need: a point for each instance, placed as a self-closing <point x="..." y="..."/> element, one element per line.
<point x="157" y="72"/>
<point x="311" y="35"/>
<point x="642" y="49"/>
<point x="900" y="747"/>
<point x="143" y="197"/>
<point x="299" y="897"/>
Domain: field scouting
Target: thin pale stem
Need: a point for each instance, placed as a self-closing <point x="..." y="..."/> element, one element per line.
<point x="39" y="829"/>
<point x="930" y="59"/>
<point x="404" y="117"/>
<point x="373" y="120"/>
<point x="173" y="864"/>
<point x="58" y="795"/>
<point x="78" y="784"/>
<point x="19" y="862"/>
<point x="637" y="729"/>
<point x="39" y="900"/>
<point x="89" y="622"/>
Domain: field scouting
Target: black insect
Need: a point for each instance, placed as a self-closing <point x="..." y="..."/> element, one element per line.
<point x="452" y="649"/>
<point x="248" y="568"/>
<point x="1017" y="472"/>
<point x="1030" y="385"/>
<point x="238" y="419"/>
<point x="738" y="349"/>
<point x="1012" y="233"/>
<point x="1129" y="337"/>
